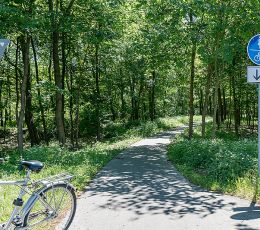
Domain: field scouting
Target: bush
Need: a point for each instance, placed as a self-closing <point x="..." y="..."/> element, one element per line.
<point x="220" y="164"/>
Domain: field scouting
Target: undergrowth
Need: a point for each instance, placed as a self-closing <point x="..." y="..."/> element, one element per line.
<point x="83" y="163"/>
<point x="227" y="163"/>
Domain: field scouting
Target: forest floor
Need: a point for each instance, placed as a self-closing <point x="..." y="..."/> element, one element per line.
<point x="140" y="189"/>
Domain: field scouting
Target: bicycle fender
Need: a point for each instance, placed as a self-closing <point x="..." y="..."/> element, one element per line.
<point x="70" y="186"/>
<point x="28" y="205"/>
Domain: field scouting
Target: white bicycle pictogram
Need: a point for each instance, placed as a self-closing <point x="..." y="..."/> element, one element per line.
<point x="257" y="57"/>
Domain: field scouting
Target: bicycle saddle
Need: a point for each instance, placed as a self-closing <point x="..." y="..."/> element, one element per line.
<point x="34" y="166"/>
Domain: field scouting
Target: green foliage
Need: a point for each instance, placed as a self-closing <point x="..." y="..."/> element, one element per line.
<point x="83" y="163"/>
<point x="223" y="164"/>
<point x="143" y="128"/>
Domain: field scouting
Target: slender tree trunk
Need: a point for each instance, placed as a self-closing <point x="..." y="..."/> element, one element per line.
<point x="191" y="97"/>
<point x="5" y="122"/>
<point x="97" y="75"/>
<point x="8" y="104"/>
<point x="205" y="106"/>
<point x="25" y="46"/>
<point x="201" y="102"/>
<point x="77" y="117"/>
<point x="224" y="104"/>
<point x="235" y="108"/>
<point x="215" y="102"/>
<point x="59" y="115"/>
<point x="152" y="97"/>
<point x="71" y="90"/>
<point x="134" y="111"/>
<point x="17" y="82"/>
<point x="50" y="78"/>
<point x="221" y="113"/>
<point x="29" y="119"/>
<point x="64" y="68"/>
<point x="39" y="93"/>
<point x="122" y="89"/>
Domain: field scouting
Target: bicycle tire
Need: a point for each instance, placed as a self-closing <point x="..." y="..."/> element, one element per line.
<point x="42" y="210"/>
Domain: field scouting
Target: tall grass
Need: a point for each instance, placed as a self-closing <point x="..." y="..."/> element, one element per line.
<point x="83" y="163"/>
<point x="227" y="163"/>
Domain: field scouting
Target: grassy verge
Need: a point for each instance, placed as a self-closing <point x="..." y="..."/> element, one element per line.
<point x="83" y="163"/>
<point x="227" y="164"/>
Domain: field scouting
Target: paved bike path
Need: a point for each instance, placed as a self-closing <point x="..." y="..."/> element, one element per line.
<point x="141" y="190"/>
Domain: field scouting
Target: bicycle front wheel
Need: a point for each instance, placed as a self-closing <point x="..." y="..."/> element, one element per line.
<point x="55" y="209"/>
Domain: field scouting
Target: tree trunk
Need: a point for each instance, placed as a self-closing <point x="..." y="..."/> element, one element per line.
<point x="59" y="115"/>
<point x="224" y="104"/>
<point x="71" y="90"/>
<point x="77" y="117"/>
<point x="25" y="46"/>
<point x="191" y="97"/>
<point x="221" y="110"/>
<point x="201" y="101"/>
<point x="134" y="111"/>
<point x="29" y="119"/>
<point x="215" y="102"/>
<point x="97" y="75"/>
<point x="50" y="78"/>
<point x="39" y="94"/>
<point x="17" y="82"/>
<point x="152" y="97"/>
<point x="122" y="89"/>
<point x="205" y="106"/>
<point x="235" y="108"/>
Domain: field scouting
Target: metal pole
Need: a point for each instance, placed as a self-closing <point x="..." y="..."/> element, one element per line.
<point x="258" y="128"/>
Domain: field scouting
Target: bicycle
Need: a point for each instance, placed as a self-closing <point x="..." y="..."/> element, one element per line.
<point x="52" y="202"/>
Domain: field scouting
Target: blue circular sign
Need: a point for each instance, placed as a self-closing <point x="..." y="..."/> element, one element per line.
<point x="253" y="49"/>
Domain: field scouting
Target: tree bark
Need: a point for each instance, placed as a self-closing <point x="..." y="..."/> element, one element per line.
<point x="17" y="82"/>
<point x="29" y="119"/>
<point x="191" y="97"/>
<point x="122" y="89"/>
<point x="215" y="101"/>
<point x="59" y="115"/>
<point x="152" y="97"/>
<point x="77" y="117"/>
<point x="39" y="93"/>
<point x="205" y="106"/>
<point x="25" y="46"/>
<point x="97" y="75"/>
<point x="235" y="108"/>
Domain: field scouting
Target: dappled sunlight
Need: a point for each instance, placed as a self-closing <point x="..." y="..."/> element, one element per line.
<point x="141" y="184"/>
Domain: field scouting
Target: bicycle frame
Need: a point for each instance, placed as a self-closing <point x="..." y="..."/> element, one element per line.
<point x="24" y="209"/>
<point x="19" y="212"/>
<point x="22" y="192"/>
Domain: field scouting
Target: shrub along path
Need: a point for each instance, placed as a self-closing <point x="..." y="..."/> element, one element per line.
<point x="141" y="190"/>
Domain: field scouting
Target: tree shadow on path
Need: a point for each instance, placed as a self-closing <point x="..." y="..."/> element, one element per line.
<point x="141" y="180"/>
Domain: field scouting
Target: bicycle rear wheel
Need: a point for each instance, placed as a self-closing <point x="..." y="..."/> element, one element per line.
<point x="55" y="209"/>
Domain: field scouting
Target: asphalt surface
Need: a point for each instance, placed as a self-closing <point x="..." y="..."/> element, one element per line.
<point x="141" y="190"/>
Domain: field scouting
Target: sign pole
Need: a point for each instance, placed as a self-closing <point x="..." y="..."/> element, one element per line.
<point x="253" y="76"/>
<point x="258" y="128"/>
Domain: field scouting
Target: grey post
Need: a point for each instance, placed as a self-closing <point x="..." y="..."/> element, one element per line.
<point x="259" y="128"/>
